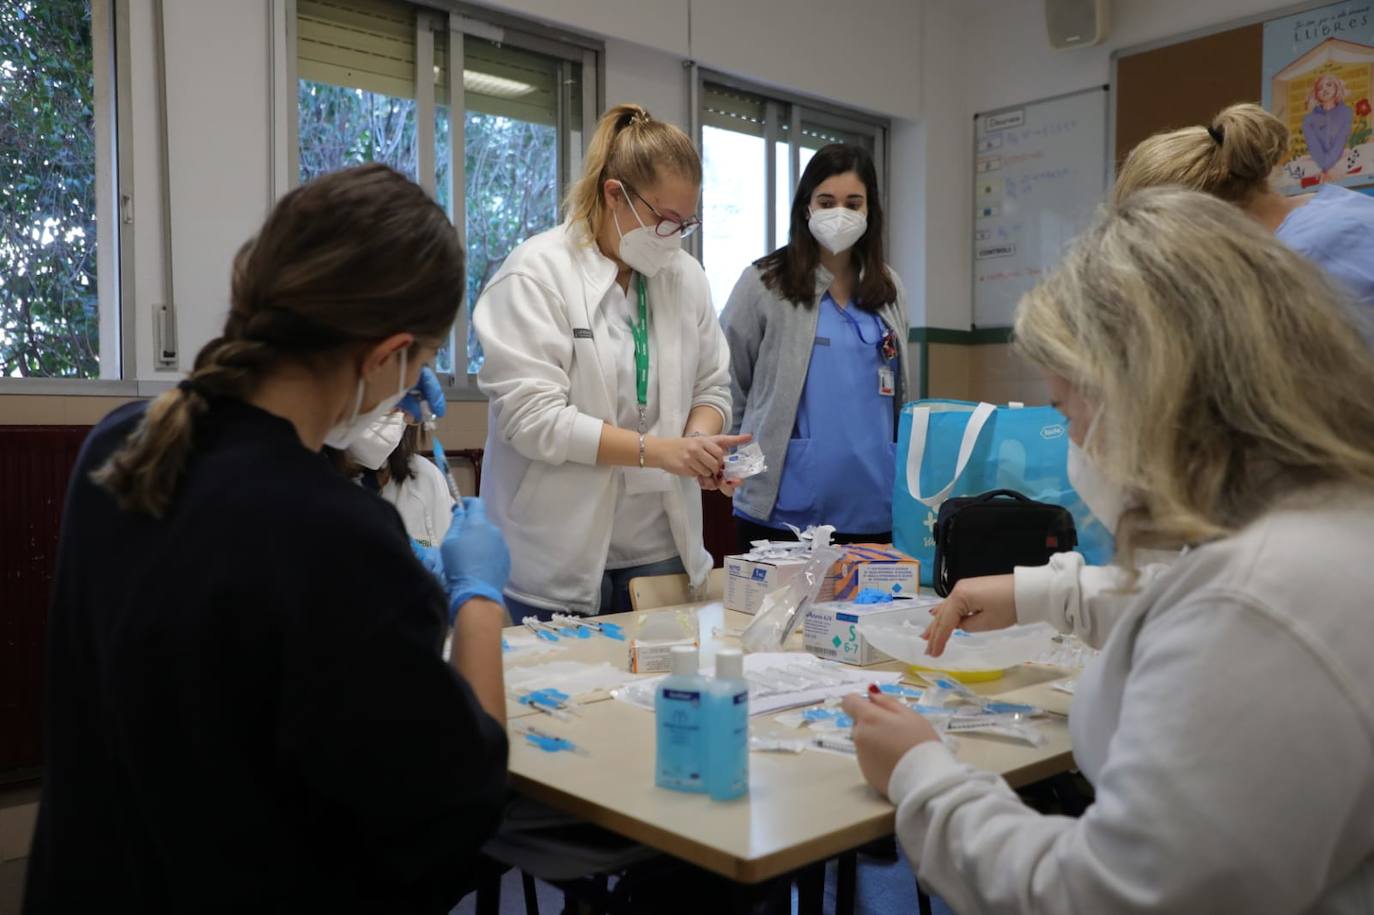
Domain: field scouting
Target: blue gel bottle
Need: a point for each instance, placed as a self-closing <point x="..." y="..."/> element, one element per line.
<point x="679" y="714"/>
<point x="727" y="728"/>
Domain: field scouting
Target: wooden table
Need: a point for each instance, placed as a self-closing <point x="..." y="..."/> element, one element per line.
<point x="800" y="809"/>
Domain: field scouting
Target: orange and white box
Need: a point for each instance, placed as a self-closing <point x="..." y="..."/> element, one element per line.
<point x="872" y="565"/>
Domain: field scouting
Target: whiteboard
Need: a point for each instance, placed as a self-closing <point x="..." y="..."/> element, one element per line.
<point x="1039" y="172"/>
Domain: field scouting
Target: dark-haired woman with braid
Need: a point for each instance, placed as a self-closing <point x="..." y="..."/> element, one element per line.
<point x="247" y="710"/>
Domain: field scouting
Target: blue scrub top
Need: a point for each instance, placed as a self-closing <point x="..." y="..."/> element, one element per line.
<point x="1335" y="230"/>
<point x="841" y="459"/>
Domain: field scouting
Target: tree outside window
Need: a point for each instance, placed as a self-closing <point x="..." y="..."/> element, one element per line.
<point x="49" y="308"/>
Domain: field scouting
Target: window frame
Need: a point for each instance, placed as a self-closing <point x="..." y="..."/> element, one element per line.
<point x="460" y="20"/>
<point x="799" y="109"/>
<point x="114" y="194"/>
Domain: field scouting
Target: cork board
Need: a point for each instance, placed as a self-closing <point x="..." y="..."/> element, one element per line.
<point x="1185" y="83"/>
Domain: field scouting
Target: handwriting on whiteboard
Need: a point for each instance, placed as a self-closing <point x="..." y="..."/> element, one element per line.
<point x="1003" y="275"/>
<point x="1052" y="129"/>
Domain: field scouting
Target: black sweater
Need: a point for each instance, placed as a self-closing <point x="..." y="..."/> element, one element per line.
<point x="246" y="706"/>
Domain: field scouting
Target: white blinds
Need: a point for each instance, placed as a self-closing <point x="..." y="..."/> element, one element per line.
<point x="370" y="45"/>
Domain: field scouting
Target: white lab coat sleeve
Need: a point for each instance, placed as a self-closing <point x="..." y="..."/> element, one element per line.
<point x="527" y="342"/>
<point x="1217" y="794"/>
<point x="712" y="385"/>
<point x="429" y="479"/>
<point x="1077" y="598"/>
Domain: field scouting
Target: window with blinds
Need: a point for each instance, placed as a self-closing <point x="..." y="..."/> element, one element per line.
<point x="726" y="109"/>
<point x="752" y="163"/>
<point x="519" y="120"/>
<point x="370" y="45"/>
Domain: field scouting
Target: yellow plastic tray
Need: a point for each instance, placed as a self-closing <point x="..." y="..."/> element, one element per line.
<point x="963" y="676"/>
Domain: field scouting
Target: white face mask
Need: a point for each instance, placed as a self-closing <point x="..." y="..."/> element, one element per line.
<point x="345" y="433"/>
<point x="378" y="440"/>
<point x="643" y="249"/>
<point x="1104" y="498"/>
<point x="838" y="228"/>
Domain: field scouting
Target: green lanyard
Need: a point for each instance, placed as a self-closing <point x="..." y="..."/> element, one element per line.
<point x="640" y="332"/>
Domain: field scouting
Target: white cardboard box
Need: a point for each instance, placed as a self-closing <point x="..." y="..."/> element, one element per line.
<point x="831" y="630"/>
<point x="748" y="580"/>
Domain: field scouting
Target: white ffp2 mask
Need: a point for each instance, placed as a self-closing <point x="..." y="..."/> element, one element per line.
<point x="838" y="228"/>
<point x="345" y="433"/>
<point x="378" y="440"/>
<point x="643" y="249"/>
<point x="1105" y="499"/>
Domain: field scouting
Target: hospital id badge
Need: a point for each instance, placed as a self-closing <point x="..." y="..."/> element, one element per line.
<point x="887" y="382"/>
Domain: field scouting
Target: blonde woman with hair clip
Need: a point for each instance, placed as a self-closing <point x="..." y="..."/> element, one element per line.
<point x="240" y="637"/>
<point x="608" y="379"/>
<point x="1232" y="158"/>
<point x="1214" y="382"/>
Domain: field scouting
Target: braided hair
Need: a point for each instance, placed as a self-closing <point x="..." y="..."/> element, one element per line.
<point x="346" y="260"/>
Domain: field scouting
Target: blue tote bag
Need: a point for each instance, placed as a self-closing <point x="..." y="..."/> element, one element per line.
<point x="954" y="448"/>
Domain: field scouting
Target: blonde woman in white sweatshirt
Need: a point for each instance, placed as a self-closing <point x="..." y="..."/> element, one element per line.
<point x="609" y="381"/>
<point x="1215" y="381"/>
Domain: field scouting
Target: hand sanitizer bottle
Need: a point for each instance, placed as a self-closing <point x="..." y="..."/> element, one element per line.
<point x="727" y="728"/>
<point x="680" y="712"/>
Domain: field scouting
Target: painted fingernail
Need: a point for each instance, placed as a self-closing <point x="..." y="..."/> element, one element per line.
<point x="873" y="688"/>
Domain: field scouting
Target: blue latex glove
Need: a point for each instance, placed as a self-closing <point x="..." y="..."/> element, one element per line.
<point x="476" y="561"/>
<point x="427" y="389"/>
<point x="429" y="558"/>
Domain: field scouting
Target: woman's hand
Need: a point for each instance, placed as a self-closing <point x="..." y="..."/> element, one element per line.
<point x="975" y="605"/>
<point x="719" y="484"/>
<point x="884" y="730"/>
<point x="693" y="455"/>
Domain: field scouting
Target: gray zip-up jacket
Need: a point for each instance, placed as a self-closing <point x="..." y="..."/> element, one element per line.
<point x="770" y="350"/>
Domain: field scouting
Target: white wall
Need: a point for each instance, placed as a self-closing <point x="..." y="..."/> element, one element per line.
<point x="857" y="53"/>
<point x="658" y="24"/>
<point x="989" y="54"/>
<point x="939" y="170"/>
<point x="649" y="77"/>
<point x="860" y="53"/>
<point x="220" y="153"/>
<point x="1010" y="59"/>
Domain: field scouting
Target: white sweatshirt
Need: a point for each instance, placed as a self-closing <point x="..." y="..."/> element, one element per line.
<point x="423" y="501"/>
<point x="1228" y="728"/>
<point x="1090" y="598"/>
<point x="554" y="382"/>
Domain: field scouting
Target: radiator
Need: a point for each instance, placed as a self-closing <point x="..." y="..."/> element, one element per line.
<point x="35" y="465"/>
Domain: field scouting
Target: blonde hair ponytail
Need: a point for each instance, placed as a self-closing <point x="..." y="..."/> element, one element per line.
<point x="629" y="145"/>
<point x="1231" y="158"/>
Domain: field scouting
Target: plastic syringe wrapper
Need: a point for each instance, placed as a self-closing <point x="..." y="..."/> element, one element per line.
<point x="781" y="609"/>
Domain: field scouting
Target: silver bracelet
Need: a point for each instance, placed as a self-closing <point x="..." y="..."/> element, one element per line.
<point x="641" y="449"/>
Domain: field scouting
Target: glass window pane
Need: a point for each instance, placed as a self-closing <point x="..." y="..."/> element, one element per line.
<point x="341" y="126"/>
<point x="814" y="136"/>
<point x="49" y="309"/>
<point x="357" y="85"/>
<point x="734" y="230"/>
<point x="443" y="360"/>
<point x="510" y="157"/>
<point x="785" y="187"/>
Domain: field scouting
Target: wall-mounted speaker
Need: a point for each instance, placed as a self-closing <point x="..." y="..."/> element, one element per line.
<point x="1075" y="23"/>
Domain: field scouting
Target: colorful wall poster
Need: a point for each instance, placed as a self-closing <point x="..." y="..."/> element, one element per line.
<point x="1319" y="80"/>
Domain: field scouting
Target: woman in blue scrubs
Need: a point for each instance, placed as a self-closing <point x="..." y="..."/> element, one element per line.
<point x="818" y="365"/>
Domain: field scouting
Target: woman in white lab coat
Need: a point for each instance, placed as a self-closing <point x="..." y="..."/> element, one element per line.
<point x="609" y="381"/>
